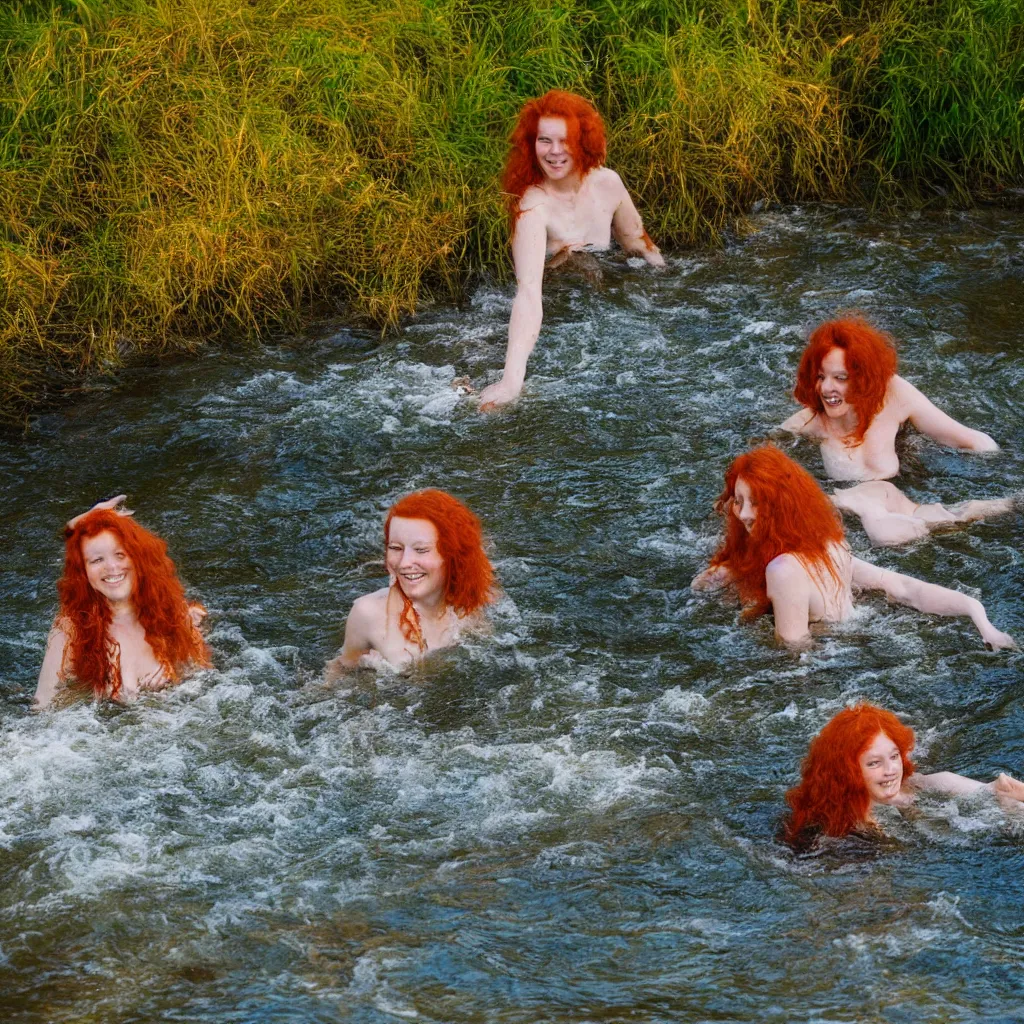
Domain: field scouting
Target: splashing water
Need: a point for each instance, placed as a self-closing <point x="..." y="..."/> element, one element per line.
<point x="575" y="818"/>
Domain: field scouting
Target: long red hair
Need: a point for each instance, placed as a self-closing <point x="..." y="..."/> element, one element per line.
<point x="794" y="517"/>
<point x="585" y="141"/>
<point x="92" y="660"/>
<point x="870" y="362"/>
<point x="469" y="576"/>
<point x="832" y="794"/>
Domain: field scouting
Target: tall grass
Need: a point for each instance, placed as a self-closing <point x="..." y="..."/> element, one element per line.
<point x="174" y="171"/>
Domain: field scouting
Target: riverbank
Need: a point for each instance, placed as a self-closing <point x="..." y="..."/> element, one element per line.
<point x="179" y="173"/>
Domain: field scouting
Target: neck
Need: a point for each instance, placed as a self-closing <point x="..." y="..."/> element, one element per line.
<point x="431" y="607"/>
<point x="567" y="186"/>
<point x="122" y="611"/>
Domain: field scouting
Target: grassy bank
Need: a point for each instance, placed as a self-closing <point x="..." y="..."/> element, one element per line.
<point x="175" y="171"/>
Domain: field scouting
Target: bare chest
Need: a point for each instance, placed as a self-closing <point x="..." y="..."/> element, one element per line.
<point x="582" y="220"/>
<point x="140" y="669"/>
<point x="874" y="459"/>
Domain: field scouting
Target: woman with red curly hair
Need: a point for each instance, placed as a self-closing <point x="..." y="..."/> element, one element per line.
<point x="440" y="581"/>
<point x="785" y="549"/>
<point x="124" y="624"/>
<point x="854" y="405"/>
<point x="562" y="198"/>
<point x="862" y="758"/>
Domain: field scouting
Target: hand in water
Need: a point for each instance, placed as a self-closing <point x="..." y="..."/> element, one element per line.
<point x="196" y="612"/>
<point x="1007" y="788"/>
<point x="463" y="385"/>
<point x="498" y="394"/>
<point x="996" y="639"/>
<point x="110" y="503"/>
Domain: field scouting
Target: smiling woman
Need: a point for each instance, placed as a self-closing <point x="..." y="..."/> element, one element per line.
<point x="440" y="576"/>
<point x="124" y="624"/>
<point x="562" y="199"/>
<point x="861" y="759"/>
<point x="854" y="403"/>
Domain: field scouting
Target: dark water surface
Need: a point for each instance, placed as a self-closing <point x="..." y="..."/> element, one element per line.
<point x="573" y="819"/>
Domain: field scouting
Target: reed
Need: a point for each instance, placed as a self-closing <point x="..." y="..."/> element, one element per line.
<point x="178" y="171"/>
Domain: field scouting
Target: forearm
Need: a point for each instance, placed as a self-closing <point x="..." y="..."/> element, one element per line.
<point x="948" y="782"/>
<point x="711" y="578"/>
<point x="523" y="330"/>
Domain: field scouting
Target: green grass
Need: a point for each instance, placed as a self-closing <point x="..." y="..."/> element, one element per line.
<point x="178" y="171"/>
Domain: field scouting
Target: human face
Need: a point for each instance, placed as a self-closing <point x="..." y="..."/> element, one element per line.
<point x="552" y="153"/>
<point x="881" y="765"/>
<point x="744" y="508"/>
<point x="108" y="568"/>
<point x="833" y="383"/>
<point x="413" y="559"/>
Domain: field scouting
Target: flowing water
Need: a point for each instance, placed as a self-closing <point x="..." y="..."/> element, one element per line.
<point x="574" y="818"/>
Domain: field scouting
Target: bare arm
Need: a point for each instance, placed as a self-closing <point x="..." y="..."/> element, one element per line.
<point x="529" y="245"/>
<point x="933" y="422"/>
<point x="358" y="638"/>
<point x="789" y="591"/>
<point x="928" y="597"/>
<point x="49" y="674"/>
<point x="628" y="228"/>
<point x="947" y="782"/>
<point x="712" y="578"/>
<point x="801" y="422"/>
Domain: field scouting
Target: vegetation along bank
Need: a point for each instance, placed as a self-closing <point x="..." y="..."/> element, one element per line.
<point x="181" y="171"/>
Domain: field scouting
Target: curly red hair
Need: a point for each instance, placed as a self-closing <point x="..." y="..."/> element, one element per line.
<point x="585" y="140"/>
<point x="469" y="576"/>
<point x="794" y="516"/>
<point x="870" y="362"/>
<point x="92" y="660"/>
<point x="832" y="794"/>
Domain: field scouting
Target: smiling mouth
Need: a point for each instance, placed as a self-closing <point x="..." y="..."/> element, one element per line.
<point x="412" y="577"/>
<point x="832" y="401"/>
<point x="890" y="787"/>
<point x="115" y="579"/>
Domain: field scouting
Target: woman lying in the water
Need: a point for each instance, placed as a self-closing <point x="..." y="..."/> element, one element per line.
<point x="785" y="549"/>
<point x="562" y="199"/>
<point x="854" y="404"/>
<point x="862" y="758"/>
<point x="124" y="624"/>
<point x="441" y="579"/>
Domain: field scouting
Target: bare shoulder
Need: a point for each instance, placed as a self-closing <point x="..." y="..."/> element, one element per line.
<point x="785" y="569"/>
<point x="607" y="180"/>
<point x="902" y="396"/>
<point x="370" y="607"/>
<point x="533" y="202"/>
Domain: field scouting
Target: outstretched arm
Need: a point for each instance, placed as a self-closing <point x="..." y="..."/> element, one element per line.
<point x="529" y="244"/>
<point x="928" y="597"/>
<point x="931" y="420"/>
<point x="628" y="229"/>
<point x="49" y="674"/>
<point x="1008" y="790"/>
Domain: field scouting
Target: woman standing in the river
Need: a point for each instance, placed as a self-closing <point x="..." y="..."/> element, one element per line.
<point x="124" y="624"/>
<point x="441" y="579"/>
<point x="785" y="549"/>
<point x="562" y="199"/>
<point x="861" y="759"/>
<point x="854" y="404"/>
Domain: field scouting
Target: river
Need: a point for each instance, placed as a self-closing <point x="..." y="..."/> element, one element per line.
<point x="572" y="819"/>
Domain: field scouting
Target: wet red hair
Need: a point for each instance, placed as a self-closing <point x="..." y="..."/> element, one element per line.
<point x="584" y="139"/>
<point x="92" y="660"/>
<point x="469" y="576"/>
<point x="870" y="361"/>
<point x="832" y="794"/>
<point x="794" y="517"/>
